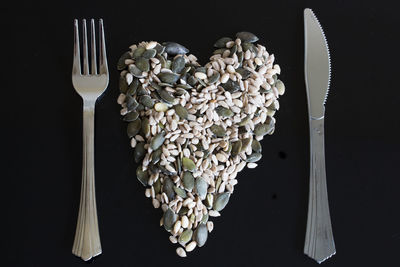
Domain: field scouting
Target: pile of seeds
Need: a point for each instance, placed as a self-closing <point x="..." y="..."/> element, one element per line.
<point x="194" y="128"/>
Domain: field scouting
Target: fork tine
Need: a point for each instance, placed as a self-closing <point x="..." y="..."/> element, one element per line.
<point x="103" y="56"/>
<point x="93" y="66"/>
<point x="76" y="64"/>
<point x="85" y="49"/>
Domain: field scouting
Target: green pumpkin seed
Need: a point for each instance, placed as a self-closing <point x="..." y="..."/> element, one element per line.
<point x="220" y="43"/>
<point x="142" y="176"/>
<point x="221" y="200"/>
<point x="242" y="130"/>
<point x="178" y="65"/>
<point x="168" y="66"/>
<point x="163" y="61"/>
<point x="218" y="183"/>
<point x="159" y="49"/>
<point x="240" y="58"/>
<point x="224" y="112"/>
<point x="233" y="50"/>
<point x="131" y="103"/>
<point x="188" y="164"/>
<point x="201" y="69"/>
<point x="168" y="188"/>
<point x="149" y="53"/>
<point x="157" y="186"/>
<point x="184" y="86"/>
<point x="213" y="78"/>
<point x="263" y="129"/>
<point x="256" y="146"/>
<point x="133" y="86"/>
<point x="123" y="85"/>
<point x="141" y="91"/>
<point x="246" y="46"/>
<point x="236" y="148"/>
<point x="135" y="71"/>
<point x="180" y="192"/>
<point x="168" y="77"/>
<point x="142" y="64"/>
<point x="147" y="101"/>
<point x="185" y="237"/>
<point x="231" y="86"/>
<point x="157" y="141"/>
<point x="209" y="200"/>
<point x="145" y="126"/>
<point x="229" y="148"/>
<point x="219" y="51"/>
<point x="174" y="49"/>
<point x="181" y="111"/>
<point x="179" y="165"/>
<point x="204" y="219"/>
<point x="247" y="37"/>
<point x="139" y="152"/>
<point x="192" y="218"/>
<point x="201" y="187"/>
<point x="245" y="120"/>
<point x="121" y="61"/>
<point x="165" y="96"/>
<point x="244" y="73"/>
<point x="183" y="211"/>
<point x="192" y="81"/>
<point x="156" y="156"/>
<point x="246" y="142"/>
<point x="200" y="234"/>
<point x="133" y="128"/>
<point x="254" y="157"/>
<point x="188" y="181"/>
<point x="140" y="107"/>
<point x="218" y="130"/>
<point x="154" y="168"/>
<point x="138" y="52"/>
<point x="131" y="116"/>
<point x="169" y="219"/>
<point x="165" y="85"/>
<point x="155" y="86"/>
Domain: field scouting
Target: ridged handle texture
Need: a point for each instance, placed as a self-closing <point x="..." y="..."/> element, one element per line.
<point x="319" y="243"/>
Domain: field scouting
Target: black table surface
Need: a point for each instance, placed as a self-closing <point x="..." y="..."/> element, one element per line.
<point x="265" y="221"/>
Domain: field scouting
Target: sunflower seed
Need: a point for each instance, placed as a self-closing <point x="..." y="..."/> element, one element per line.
<point x="191" y="246"/>
<point x="181" y="252"/>
<point x="160" y="107"/>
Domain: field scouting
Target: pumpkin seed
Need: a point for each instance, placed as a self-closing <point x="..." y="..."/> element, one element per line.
<point x="154" y="168"/>
<point x="121" y="61"/>
<point x="213" y="78"/>
<point x="135" y="71"/>
<point x="138" y="52"/>
<point x="218" y="130"/>
<point x="165" y="85"/>
<point x="139" y="152"/>
<point x="205" y="218"/>
<point x="256" y="146"/>
<point x="220" y="43"/>
<point x="157" y="141"/>
<point x="179" y="165"/>
<point x="133" y="128"/>
<point x="180" y="192"/>
<point x="263" y="129"/>
<point x="209" y="201"/>
<point x="188" y="164"/>
<point x="142" y="176"/>
<point x="184" y="86"/>
<point x="133" y="87"/>
<point x="174" y="49"/>
<point x="240" y="57"/>
<point x="231" y="86"/>
<point x="245" y="120"/>
<point x="147" y="101"/>
<point x="247" y="37"/>
<point x="201" y="187"/>
<point x="192" y="81"/>
<point x="200" y="234"/>
<point x="185" y="237"/>
<point x="168" y="188"/>
<point x="141" y="91"/>
<point x="123" y="85"/>
<point x="160" y="107"/>
<point x="156" y="156"/>
<point x="155" y="86"/>
<point x="246" y="142"/>
<point x="157" y="186"/>
<point x="165" y="96"/>
<point x="143" y="64"/>
<point x="246" y="46"/>
<point x="244" y="73"/>
<point x="233" y="50"/>
<point x="219" y="51"/>
<point x="163" y="61"/>
<point x="224" y="112"/>
<point x="169" y="219"/>
<point x="181" y="111"/>
<point x="159" y="49"/>
<point x="149" y="53"/>
<point x="168" y="77"/>
<point x="178" y="65"/>
<point x="236" y="148"/>
<point x="183" y="211"/>
<point x="221" y="200"/>
<point x="188" y="181"/>
<point x="254" y="157"/>
<point x="131" y="116"/>
<point x="145" y="126"/>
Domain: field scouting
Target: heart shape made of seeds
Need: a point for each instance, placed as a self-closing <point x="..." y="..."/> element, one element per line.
<point x="194" y="128"/>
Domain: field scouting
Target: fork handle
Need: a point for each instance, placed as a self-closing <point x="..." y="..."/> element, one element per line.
<point x="87" y="239"/>
<point x="319" y="243"/>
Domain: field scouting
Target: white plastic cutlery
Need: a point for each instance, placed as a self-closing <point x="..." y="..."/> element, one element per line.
<point x="319" y="243"/>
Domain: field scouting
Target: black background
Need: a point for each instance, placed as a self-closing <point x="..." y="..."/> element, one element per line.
<point x="265" y="221"/>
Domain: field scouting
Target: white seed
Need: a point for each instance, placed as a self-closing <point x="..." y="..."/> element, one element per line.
<point x="251" y="165"/>
<point x="185" y="221"/>
<point x="147" y="193"/>
<point x="181" y="252"/>
<point x="151" y="45"/>
<point x="177" y="226"/>
<point x="200" y="75"/>
<point x="210" y="226"/>
<point x="224" y="78"/>
<point x="258" y="61"/>
<point x="133" y="142"/>
<point x="189" y="247"/>
<point x="173" y="239"/>
<point x="230" y="69"/>
<point x="156" y="203"/>
<point x="121" y="99"/>
<point x="129" y="78"/>
<point x="221" y="157"/>
<point x="214" y="213"/>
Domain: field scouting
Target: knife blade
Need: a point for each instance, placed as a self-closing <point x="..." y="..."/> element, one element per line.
<point x="319" y="243"/>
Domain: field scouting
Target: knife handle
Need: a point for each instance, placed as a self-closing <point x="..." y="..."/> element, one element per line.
<point x="319" y="243"/>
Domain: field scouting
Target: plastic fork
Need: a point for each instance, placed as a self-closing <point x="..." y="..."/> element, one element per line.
<point x="89" y="85"/>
